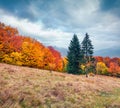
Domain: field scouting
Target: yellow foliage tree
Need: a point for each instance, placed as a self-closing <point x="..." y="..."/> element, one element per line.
<point x="101" y="68"/>
<point x="16" y="58"/>
<point x="13" y="58"/>
<point x="7" y="59"/>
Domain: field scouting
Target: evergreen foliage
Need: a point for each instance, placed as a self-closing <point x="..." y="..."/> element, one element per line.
<point x="74" y="56"/>
<point x="87" y="48"/>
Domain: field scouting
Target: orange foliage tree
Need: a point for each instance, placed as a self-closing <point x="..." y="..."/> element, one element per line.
<point x="57" y="59"/>
<point x="21" y="50"/>
<point x="114" y="69"/>
<point x="6" y="32"/>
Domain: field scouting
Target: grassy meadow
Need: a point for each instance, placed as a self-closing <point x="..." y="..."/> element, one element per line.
<point x="23" y="87"/>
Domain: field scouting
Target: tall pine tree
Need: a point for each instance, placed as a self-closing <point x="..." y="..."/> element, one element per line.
<point x="87" y="50"/>
<point x="74" y="56"/>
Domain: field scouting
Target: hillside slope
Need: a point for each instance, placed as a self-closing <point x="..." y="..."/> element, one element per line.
<point x="23" y="87"/>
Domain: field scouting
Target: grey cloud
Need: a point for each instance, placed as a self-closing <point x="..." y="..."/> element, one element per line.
<point x="102" y="22"/>
<point x="111" y="6"/>
<point x="19" y="8"/>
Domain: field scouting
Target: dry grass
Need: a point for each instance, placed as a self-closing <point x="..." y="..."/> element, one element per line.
<point x="23" y="87"/>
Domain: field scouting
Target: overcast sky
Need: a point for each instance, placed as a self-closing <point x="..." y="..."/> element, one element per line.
<point x="53" y="22"/>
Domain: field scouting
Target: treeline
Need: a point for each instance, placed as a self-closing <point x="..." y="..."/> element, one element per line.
<point x="25" y="51"/>
<point x="108" y="66"/>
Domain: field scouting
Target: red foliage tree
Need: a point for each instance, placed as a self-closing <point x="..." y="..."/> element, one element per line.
<point x="58" y="59"/>
<point x="114" y="69"/>
<point x="99" y="59"/>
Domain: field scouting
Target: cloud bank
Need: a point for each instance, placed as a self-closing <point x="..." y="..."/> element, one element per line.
<point x="54" y="22"/>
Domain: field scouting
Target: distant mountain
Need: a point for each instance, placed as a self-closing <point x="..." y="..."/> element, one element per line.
<point x="63" y="51"/>
<point x="111" y="52"/>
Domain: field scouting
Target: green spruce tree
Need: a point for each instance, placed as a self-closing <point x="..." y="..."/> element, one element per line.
<point x="74" y="56"/>
<point x="87" y="50"/>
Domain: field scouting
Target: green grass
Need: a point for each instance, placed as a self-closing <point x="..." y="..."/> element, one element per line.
<point x="104" y="99"/>
<point x="23" y="87"/>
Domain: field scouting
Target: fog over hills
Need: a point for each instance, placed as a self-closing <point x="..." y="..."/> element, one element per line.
<point x="111" y="52"/>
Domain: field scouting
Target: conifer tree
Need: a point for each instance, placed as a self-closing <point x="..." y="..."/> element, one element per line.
<point x="74" y="56"/>
<point x="87" y="50"/>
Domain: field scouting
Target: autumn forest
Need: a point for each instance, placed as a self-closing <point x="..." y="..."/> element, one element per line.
<point x="25" y="51"/>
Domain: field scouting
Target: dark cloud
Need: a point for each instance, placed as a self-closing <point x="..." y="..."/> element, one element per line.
<point x="108" y="4"/>
<point x="19" y="8"/>
<point x="52" y="12"/>
<point x="112" y="6"/>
